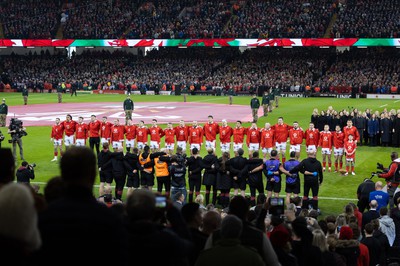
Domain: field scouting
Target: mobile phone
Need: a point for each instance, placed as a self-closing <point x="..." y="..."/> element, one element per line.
<point x="161" y="202"/>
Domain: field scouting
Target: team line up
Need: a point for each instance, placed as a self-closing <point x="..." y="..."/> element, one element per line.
<point x="342" y="141"/>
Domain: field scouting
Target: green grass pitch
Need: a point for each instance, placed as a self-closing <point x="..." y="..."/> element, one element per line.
<point x="335" y="191"/>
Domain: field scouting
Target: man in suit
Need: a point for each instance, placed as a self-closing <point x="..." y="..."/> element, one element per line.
<point x="370" y="215"/>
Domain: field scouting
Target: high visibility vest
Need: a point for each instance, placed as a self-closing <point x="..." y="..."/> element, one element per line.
<point x="143" y="161"/>
<point x="160" y="167"/>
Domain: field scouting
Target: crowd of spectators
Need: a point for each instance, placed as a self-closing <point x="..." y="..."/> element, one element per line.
<point x="35" y="230"/>
<point x="27" y="19"/>
<point x="292" y="70"/>
<point x="367" y="19"/>
<point x="281" y="19"/>
<point x="113" y="19"/>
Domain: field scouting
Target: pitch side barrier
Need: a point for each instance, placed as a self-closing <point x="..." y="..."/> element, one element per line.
<point x="323" y="95"/>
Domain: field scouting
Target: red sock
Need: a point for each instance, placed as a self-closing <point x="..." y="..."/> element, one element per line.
<point x="347" y="169"/>
<point x="336" y="165"/>
<point x="341" y="165"/>
<point x="330" y="165"/>
<point x="324" y="164"/>
<point x="352" y="168"/>
<point x="55" y="153"/>
<point x="283" y="160"/>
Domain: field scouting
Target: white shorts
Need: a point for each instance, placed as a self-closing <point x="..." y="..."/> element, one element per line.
<point x="57" y="142"/>
<point x="104" y="140"/>
<point x="237" y="146"/>
<point x="266" y="150"/>
<point x="349" y="159"/>
<point x="225" y="147"/>
<point x="295" y="148"/>
<point x="154" y="145"/>
<point x="311" y="148"/>
<point x="141" y="145"/>
<point x="80" y="142"/>
<point x="195" y="145"/>
<point x="170" y="146"/>
<point x="280" y="146"/>
<point x="210" y="144"/>
<point x="116" y="144"/>
<point x="326" y="151"/>
<point x="338" y="151"/>
<point x="69" y="140"/>
<point x="130" y="143"/>
<point x="254" y="146"/>
<point x="181" y="144"/>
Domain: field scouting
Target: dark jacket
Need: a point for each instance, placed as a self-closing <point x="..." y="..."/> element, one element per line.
<point x="194" y="167"/>
<point x="311" y="165"/>
<point x="255" y="103"/>
<point x="131" y="162"/>
<point x="25" y="174"/>
<point x="350" y="250"/>
<point x="254" y="179"/>
<point x="210" y="173"/>
<point x="102" y="159"/>
<point x="73" y="225"/>
<point x="178" y="173"/>
<point x="224" y="180"/>
<point x="117" y="164"/>
<point x="237" y="164"/>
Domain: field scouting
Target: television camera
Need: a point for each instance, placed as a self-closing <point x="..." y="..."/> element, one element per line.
<point x="16" y="125"/>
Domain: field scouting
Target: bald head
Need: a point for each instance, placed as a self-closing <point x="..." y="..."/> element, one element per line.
<point x="378" y="185"/>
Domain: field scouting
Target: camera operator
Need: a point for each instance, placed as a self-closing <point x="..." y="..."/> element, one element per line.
<point x="391" y="175"/>
<point x="17" y="131"/>
<point x="25" y="173"/>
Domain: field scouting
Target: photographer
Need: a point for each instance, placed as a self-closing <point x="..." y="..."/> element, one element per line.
<point x="25" y="173"/>
<point x="391" y="175"/>
<point x="17" y="131"/>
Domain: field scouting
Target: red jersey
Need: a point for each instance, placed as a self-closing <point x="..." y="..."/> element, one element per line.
<point x="81" y="131"/>
<point x="253" y="135"/>
<point x="349" y="148"/>
<point x="156" y="133"/>
<point x="225" y="134"/>
<point x="196" y="135"/>
<point x="312" y="137"/>
<point x="238" y="134"/>
<point x="169" y="134"/>
<point x="105" y="130"/>
<point x="325" y="139"/>
<point x="181" y="133"/>
<point x="94" y="128"/>
<point x="130" y="132"/>
<point x="117" y="133"/>
<point x="267" y="138"/>
<point x="69" y="127"/>
<point x="142" y="134"/>
<point x="211" y="131"/>
<point x="57" y="131"/>
<point x="338" y="139"/>
<point x="281" y="132"/>
<point x="351" y="131"/>
<point x="296" y="136"/>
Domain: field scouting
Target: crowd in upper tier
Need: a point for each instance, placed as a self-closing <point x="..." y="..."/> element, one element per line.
<point x="113" y="19"/>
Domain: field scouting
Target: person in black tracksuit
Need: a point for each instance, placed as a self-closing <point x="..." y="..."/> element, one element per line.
<point x="313" y="177"/>
<point x="118" y="172"/>
<point x="210" y="164"/>
<point x="194" y="167"/>
<point x="131" y="162"/>
<point x="254" y="169"/>
<point x="105" y="172"/>
<point x="237" y="164"/>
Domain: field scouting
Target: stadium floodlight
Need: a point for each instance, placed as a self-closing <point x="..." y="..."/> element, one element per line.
<point x="287" y="47"/>
<point x="182" y="47"/>
<point x="216" y="47"/>
<point x="30" y="47"/>
<point x="3" y="47"/>
<point x="89" y="47"/>
<point x="396" y="47"/>
<point x="324" y="47"/>
<point x="362" y="47"/>
<point x="60" y="47"/>
<point x="117" y="47"/>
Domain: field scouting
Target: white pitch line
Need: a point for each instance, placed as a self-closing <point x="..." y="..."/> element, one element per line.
<point x="325" y="198"/>
<point x="383" y="105"/>
<point x="396" y="101"/>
